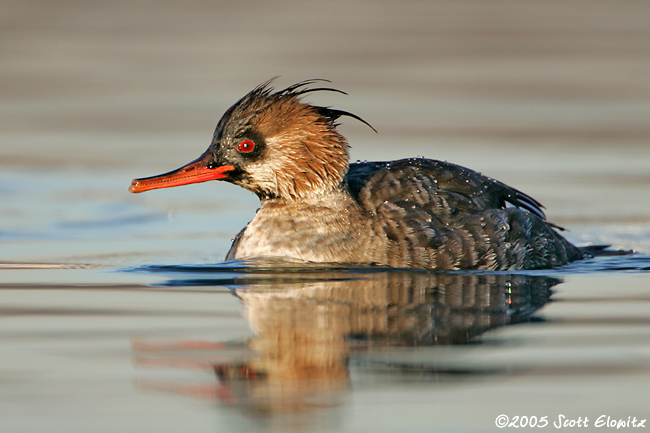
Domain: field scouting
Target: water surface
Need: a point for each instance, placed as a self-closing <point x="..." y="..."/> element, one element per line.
<point x="118" y="314"/>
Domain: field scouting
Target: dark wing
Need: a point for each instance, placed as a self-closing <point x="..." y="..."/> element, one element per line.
<point x="449" y="187"/>
<point x="439" y="215"/>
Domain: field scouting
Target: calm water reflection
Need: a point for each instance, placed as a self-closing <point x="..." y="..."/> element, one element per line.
<point x="553" y="99"/>
<point x="312" y="325"/>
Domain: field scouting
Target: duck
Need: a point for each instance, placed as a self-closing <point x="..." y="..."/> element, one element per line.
<point x="317" y="207"/>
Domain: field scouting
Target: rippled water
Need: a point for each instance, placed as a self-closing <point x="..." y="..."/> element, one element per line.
<point x="316" y="348"/>
<point x="118" y="314"/>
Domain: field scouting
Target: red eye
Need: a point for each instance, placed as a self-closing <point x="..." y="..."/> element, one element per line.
<point x="246" y="146"/>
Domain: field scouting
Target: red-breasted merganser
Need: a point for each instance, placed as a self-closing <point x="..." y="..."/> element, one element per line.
<point x="316" y="207"/>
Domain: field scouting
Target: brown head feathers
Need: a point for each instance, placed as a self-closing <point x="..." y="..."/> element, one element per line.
<point x="304" y="155"/>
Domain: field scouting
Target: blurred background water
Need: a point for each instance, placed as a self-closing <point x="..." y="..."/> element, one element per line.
<point x="552" y="98"/>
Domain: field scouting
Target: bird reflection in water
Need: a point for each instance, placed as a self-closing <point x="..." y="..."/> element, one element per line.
<point x="311" y="327"/>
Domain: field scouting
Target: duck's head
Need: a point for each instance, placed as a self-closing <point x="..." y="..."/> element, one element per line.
<point x="272" y="144"/>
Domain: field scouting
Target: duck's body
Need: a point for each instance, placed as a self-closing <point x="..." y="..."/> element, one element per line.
<point x="417" y="213"/>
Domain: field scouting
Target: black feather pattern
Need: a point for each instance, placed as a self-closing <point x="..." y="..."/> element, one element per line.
<point x="442" y="215"/>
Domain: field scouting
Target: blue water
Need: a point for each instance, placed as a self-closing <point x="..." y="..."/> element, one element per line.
<point x="118" y="314"/>
<point x="266" y="346"/>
